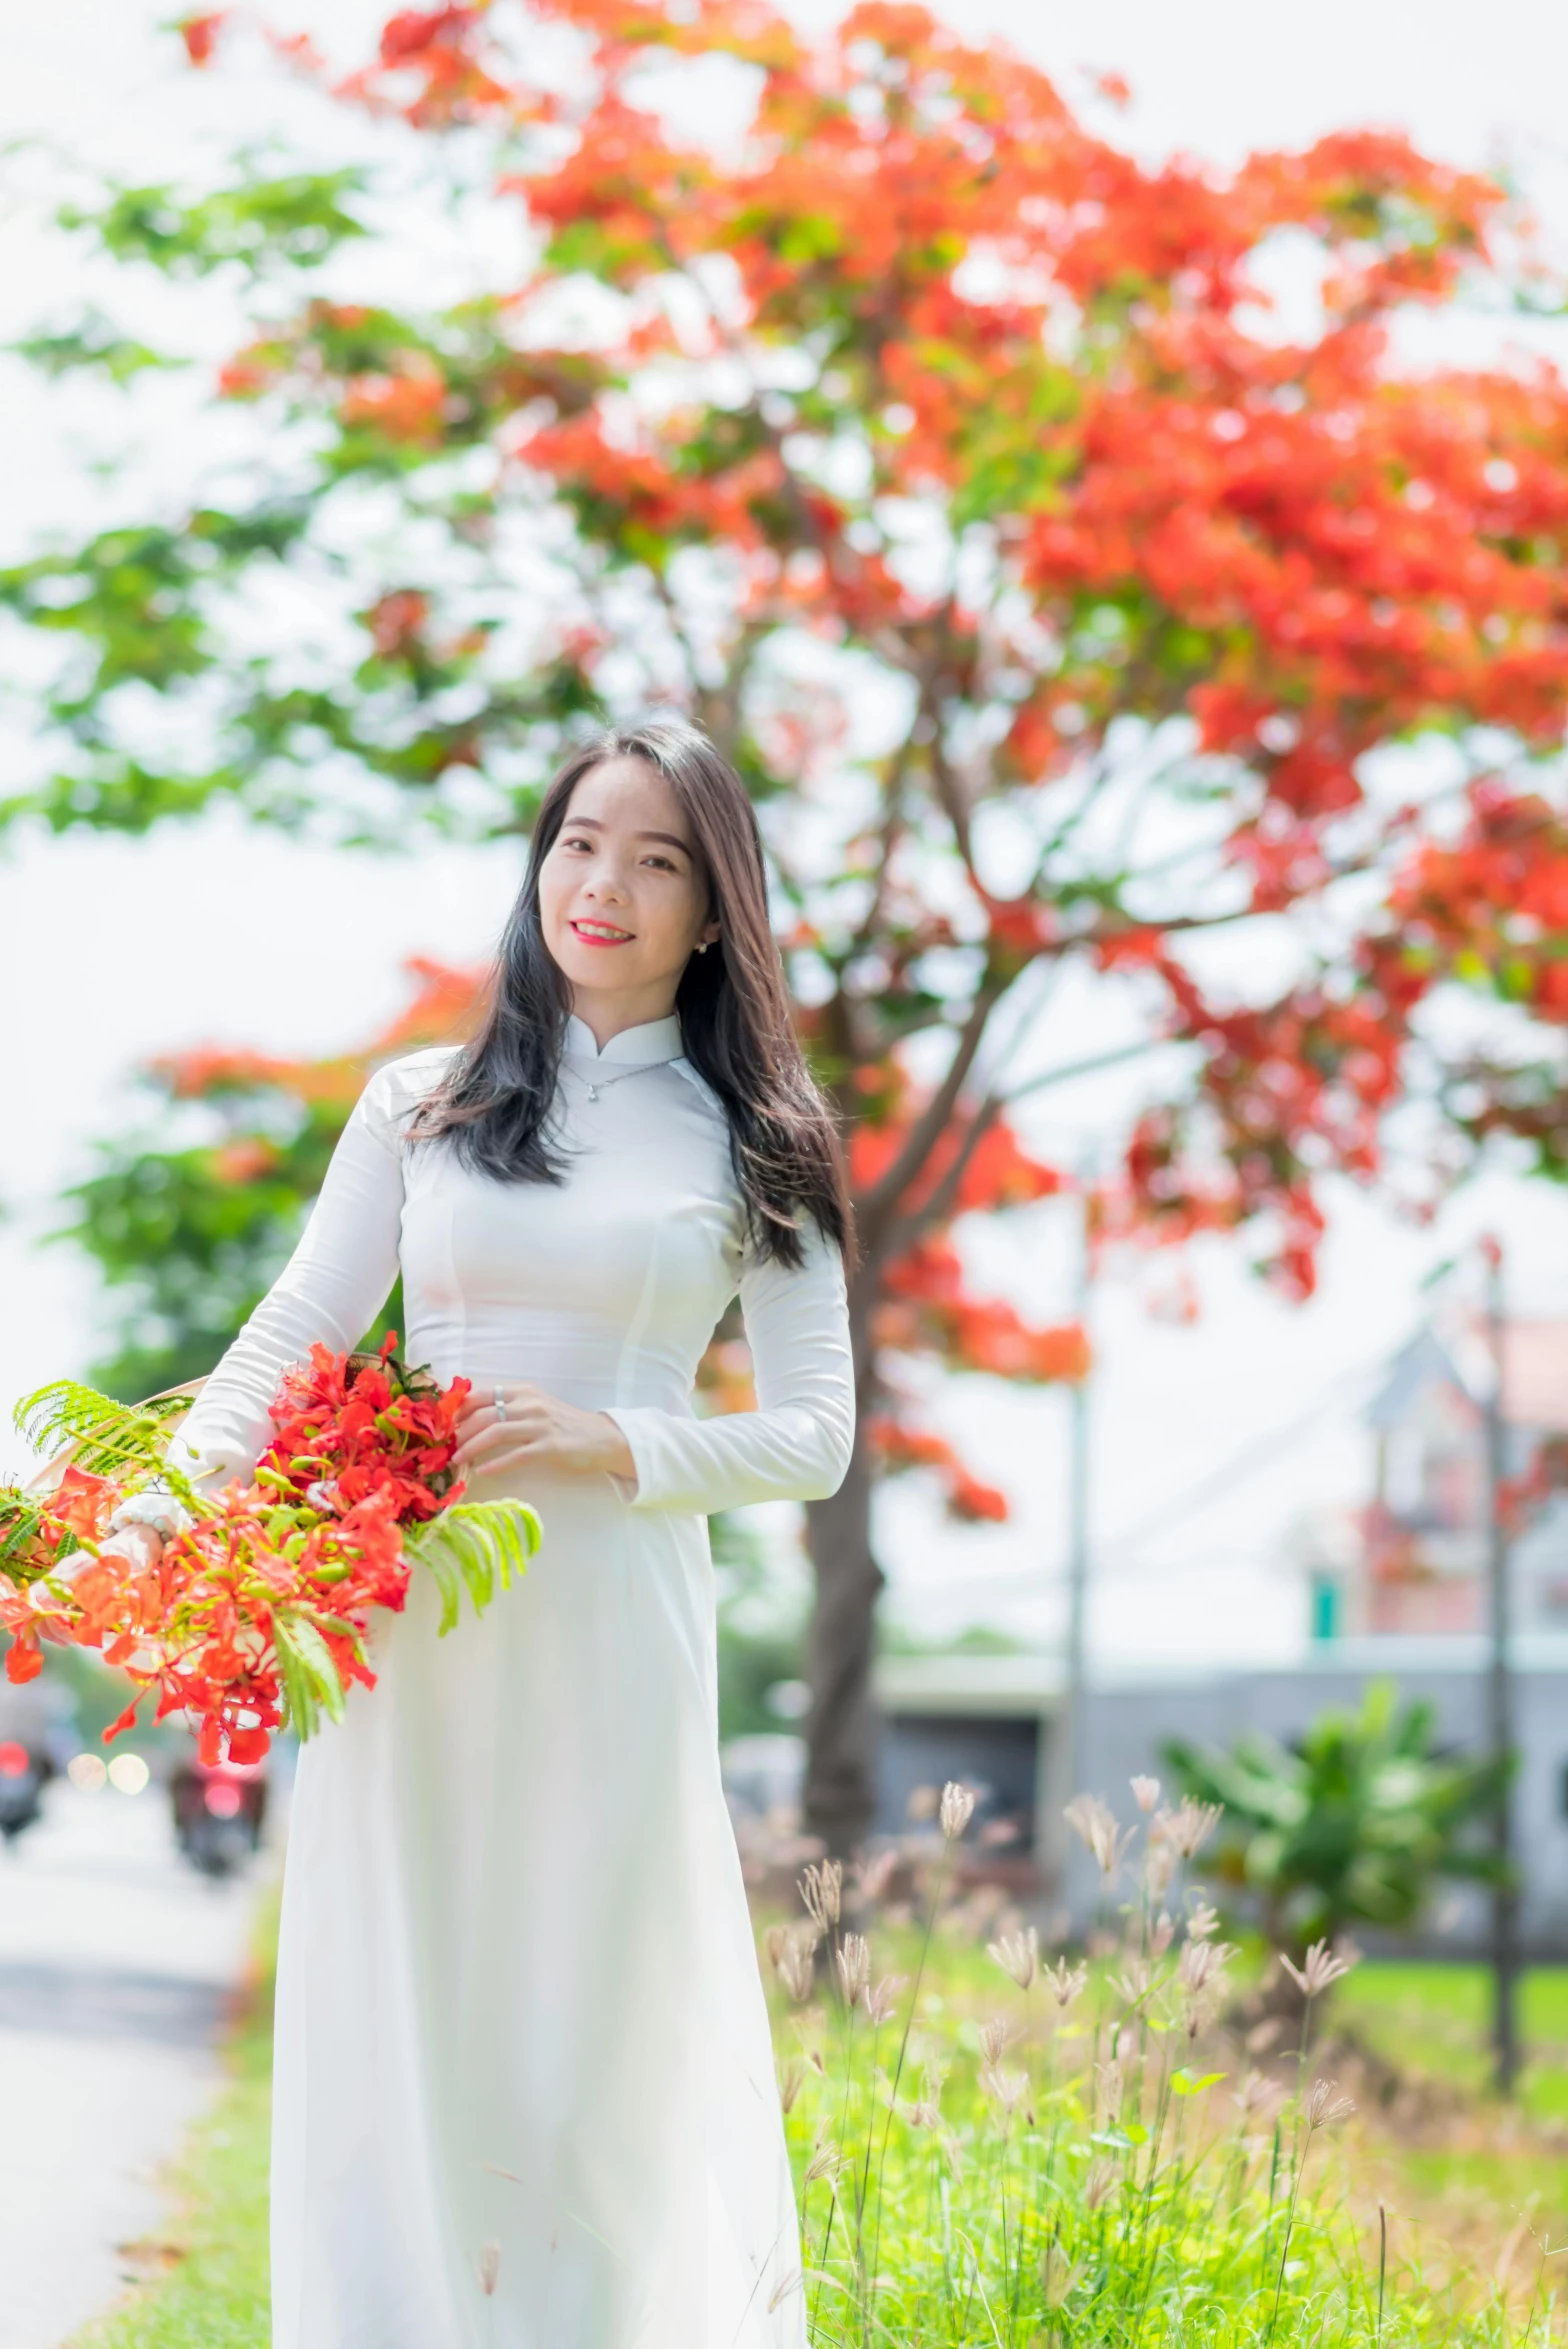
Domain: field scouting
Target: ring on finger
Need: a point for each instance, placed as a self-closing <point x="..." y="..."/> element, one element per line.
<point x="500" y="1403"/>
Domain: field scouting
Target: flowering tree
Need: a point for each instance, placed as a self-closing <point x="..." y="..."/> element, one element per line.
<point x="1068" y="605"/>
<point x="189" y="1237"/>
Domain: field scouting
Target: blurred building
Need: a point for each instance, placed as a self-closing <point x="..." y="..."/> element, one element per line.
<point x="1396" y="1589"/>
<point x="1413" y="1560"/>
<point x="999" y="1723"/>
<point x="1129" y="1720"/>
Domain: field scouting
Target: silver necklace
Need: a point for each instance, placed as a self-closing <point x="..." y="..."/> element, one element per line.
<point x="598" y="1085"/>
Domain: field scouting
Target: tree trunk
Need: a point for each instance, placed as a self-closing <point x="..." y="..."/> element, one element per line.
<point x="840" y="1797"/>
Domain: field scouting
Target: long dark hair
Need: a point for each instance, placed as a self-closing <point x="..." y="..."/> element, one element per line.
<point x="734" y="1013"/>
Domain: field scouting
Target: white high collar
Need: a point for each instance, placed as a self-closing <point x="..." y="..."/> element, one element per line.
<point x="641" y="1047"/>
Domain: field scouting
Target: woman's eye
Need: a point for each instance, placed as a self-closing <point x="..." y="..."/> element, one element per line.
<point x="664" y="863"/>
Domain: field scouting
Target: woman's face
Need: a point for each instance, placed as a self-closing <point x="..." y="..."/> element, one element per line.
<point x="623" y="900"/>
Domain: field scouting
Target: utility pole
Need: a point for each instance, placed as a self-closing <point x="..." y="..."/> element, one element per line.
<point x="1500" y="1694"/>
<point x="1073" y="1743"/>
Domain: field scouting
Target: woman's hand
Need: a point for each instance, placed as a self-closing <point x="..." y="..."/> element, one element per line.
<point x="141" y="1544"/>
<point x="537" y="1430"/>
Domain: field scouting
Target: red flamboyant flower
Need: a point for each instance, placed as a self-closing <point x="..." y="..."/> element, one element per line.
<point x="200" y="35"/>
<point x="291" y="1564"/>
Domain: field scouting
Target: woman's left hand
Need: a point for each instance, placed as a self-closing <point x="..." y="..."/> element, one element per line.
<point x="537" y="1430"/>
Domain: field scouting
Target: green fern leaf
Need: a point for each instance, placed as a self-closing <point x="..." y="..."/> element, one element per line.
<point x="310" y="1677"/>
<point x="449" y="1583"/>
<point x="299" y="1702"/>
<point x="126" y="1441"/>
<point x="21" y="1523"/>
<point x="477" y="1546"/>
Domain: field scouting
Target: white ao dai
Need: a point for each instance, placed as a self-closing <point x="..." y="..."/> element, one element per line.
<point x="521" y="2035"/>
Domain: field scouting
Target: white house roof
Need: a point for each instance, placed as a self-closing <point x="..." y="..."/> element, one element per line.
<point x="1535" y="1373"/>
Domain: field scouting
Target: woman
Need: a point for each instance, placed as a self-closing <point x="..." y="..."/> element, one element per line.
<point x="525" y="2091"/>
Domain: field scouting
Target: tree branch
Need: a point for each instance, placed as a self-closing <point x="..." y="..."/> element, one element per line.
<point x="892" y="826"/>
<point x="948" y="789"/>
<point x="677" y="620"/>
<point x="906" y="1229"/>
<point x="1090" y="1067"/>
<point x="884" y="1194"/>
<point x="938" y="1207"/>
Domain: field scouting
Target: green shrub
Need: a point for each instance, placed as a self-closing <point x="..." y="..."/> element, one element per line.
<point x="1358" y="1825"/>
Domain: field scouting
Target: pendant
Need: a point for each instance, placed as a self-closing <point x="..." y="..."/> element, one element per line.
<point x="593" y="1092"/>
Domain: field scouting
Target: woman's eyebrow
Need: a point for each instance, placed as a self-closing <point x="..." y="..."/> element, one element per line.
<point x="670" y="839"/>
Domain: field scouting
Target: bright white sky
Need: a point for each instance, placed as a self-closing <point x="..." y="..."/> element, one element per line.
<point x="112" y="950"/>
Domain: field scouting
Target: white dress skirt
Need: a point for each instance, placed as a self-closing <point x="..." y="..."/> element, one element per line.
<point x="525" y="2091"/>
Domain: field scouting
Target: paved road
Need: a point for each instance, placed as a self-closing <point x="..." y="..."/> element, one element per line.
<point x="116" y="1965"/>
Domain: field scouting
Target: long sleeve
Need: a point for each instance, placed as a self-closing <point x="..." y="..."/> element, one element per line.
<point x="796" y="1445"/>
<point x="330" y="1290"/>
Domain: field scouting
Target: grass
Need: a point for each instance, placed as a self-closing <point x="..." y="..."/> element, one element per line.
<point x="1475" y="2166"/>
<point x="983" y="2167"/>
<point x="1108" y="2169"/>
<point x="1432" y="2021"/>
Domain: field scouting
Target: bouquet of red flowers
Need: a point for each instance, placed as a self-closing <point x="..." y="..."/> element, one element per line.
<point x="258" y="1611"/>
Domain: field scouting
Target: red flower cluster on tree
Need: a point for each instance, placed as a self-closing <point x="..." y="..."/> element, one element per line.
<point x="929" y="1309"/>
<point x="926" y="1307"/>
<point x="262" y="1606"/>
<point x="898" y="1445"/>
<point x="1302" y="551"/>
<point x="1290" y="1089"/>
<point x="915" y="362"/>
<point x="200" y="35"/>
<point x="1492" y="905"/>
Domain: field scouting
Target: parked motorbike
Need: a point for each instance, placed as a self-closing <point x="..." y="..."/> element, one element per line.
<point x="220" y="1809"/>
<point x="25" y="1770"/>
<point x="37" y="1738"/>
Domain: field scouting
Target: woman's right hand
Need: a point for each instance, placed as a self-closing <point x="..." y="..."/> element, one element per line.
<point x="141" y="1545"/>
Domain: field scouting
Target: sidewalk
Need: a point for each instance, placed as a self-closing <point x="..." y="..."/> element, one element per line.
<point x="116" y="1961"/>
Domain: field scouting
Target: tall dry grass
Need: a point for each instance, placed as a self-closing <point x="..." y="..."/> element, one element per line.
<point x="1001" y="2149"/>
